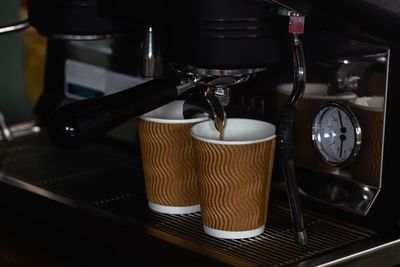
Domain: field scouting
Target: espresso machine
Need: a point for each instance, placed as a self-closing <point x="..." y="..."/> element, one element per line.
<point x="334" y="190"/>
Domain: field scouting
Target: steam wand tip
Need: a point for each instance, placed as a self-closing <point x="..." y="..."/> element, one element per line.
<point x="301" y="237"/>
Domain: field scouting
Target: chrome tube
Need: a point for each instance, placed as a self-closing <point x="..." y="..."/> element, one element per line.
<point x="18" y="26"/>
<point x="4" y="130"/>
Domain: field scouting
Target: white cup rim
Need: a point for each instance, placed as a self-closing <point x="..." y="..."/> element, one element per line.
<point x="370" y="103"/>
<point x="171" y="113"/>
<point x="264" y="131"/>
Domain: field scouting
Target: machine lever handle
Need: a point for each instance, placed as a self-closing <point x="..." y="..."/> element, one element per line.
<point x="77" y="123"/>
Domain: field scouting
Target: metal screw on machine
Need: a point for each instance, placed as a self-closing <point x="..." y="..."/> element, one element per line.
<point x="13" y="27"/>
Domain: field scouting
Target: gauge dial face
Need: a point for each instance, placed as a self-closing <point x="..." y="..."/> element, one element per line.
<point x="336" y="134"/>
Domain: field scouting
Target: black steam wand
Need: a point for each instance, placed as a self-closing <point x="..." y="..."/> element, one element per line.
<point x="285" y="148"/>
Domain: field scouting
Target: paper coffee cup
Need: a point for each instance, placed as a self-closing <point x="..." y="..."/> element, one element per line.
<point x="168" y="159"/>
<point x="366" y="168"/>
<point x="234" y="176"/>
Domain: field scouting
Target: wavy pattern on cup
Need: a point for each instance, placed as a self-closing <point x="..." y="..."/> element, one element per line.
<point x="366" y="168"/>
<point x="168" y="163"/>
<point x="234" y="183"/>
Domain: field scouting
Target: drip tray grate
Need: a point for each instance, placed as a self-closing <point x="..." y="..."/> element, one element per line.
<point x="106" y="178"/>
<point x="275" y="247"/>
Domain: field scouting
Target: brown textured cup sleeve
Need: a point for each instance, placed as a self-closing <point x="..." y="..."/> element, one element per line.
<point x="168" y="160"/>
<point x="234" y="182"/>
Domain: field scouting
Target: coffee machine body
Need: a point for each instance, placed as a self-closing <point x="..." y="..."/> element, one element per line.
<point x="345" y="144"/>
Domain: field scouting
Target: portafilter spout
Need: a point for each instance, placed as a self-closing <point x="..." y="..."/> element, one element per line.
<point x="214" y="96"/>
<point x="206" y="101"/>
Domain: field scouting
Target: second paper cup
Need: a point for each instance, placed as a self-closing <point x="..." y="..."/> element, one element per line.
<point x="168" y="159"/>
<point x="234" y="176"/>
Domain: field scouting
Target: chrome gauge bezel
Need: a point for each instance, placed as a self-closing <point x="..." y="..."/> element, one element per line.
<point x="317" y="128"/>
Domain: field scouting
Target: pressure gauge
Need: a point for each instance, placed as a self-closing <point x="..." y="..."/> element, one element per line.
<point x="336" y="134"/>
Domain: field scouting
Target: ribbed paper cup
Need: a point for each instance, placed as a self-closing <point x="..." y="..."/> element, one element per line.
<point x="234" y="176"/>
<point x="168" y="159"/>
<point x="366" y="168"/>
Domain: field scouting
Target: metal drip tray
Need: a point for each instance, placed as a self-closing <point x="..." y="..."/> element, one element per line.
<point x="275" y="247"/>
<point x="106" y="179"/>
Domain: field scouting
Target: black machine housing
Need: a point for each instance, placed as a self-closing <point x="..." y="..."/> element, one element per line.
<point x="241" y="34"/>
<point x="246" y="34"/>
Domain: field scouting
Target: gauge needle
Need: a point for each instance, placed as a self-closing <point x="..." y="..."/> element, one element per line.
<point x="342" y="128"/>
